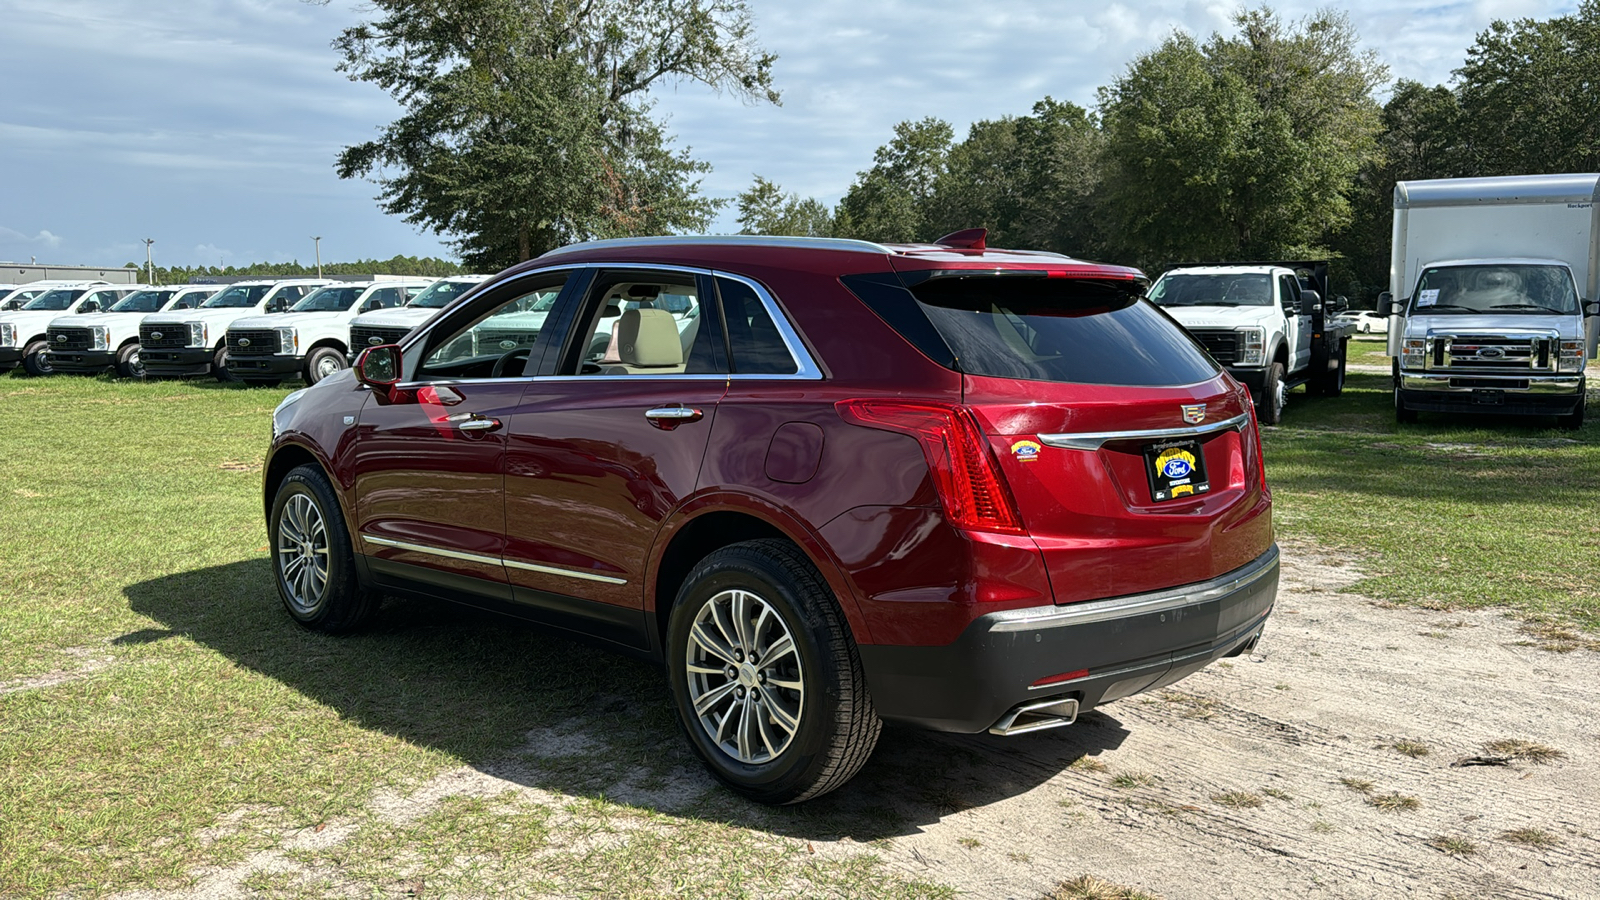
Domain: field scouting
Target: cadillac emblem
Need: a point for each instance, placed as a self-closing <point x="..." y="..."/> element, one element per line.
<point x="244" y="342"/>
<point x="155" y="335"/>
<point x="1194" y="413"/>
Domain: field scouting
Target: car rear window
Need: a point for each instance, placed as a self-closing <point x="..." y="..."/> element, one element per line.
<point x="1083" y="331"/>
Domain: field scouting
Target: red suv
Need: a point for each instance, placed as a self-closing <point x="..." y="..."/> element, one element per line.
<point x="825" y="483"/>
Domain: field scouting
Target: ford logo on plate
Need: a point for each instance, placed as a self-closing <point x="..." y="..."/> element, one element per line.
<point x="155" y="335"/>
<point x="244" y="342"/>
<point x="507" y="345"/>
<point x="374" y="340"/>
<point x="61" y="339"/>
<point x="1491" y="353"/>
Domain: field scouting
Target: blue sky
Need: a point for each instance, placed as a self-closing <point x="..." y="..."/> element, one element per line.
<point x="212" y="125"/>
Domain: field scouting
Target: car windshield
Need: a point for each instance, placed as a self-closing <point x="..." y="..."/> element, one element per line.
<point x="1501" y="288"/>
<point x="237" y="297"/>
<point x="143" y="301"/>
<point x="329" y="299"/>
<point x="56" y="300"/>
<point x="439" y="294"/>
<point x="1243" y="289"/>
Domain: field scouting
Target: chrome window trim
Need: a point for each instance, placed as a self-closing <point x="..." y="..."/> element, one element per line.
<point x="1091" y="611"/>
<point x="1095" y="440"/>
<point x="741" y="240"/>
<point x="491" y="560"/>
<point x="808" y="370"/>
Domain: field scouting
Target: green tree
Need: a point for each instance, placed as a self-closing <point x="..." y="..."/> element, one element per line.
<point x="893" y="200"/>
<point x="766" y="209"/>
<point x="1530" y="95"/>
<point x="1244" y="147"/>
<point x="525" y="124"/>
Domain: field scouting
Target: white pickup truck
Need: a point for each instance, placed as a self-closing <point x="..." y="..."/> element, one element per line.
<point x="1266" y="323"/>
<point x="191" y="343"/>
<point x="17" y="296"/>
<point x="310" y="340"/>
<point x="22" y="333"/>
<point x="388" y="326"/>
<point x="110" y="339"/>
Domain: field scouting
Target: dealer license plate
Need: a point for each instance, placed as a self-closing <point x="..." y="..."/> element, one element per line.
<point x="1177" y="469"/>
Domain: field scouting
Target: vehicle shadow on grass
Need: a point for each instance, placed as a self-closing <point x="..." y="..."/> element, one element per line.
<point x="540" y="710"/>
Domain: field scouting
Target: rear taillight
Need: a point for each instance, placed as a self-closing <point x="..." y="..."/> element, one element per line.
<point x="965" y="473"/>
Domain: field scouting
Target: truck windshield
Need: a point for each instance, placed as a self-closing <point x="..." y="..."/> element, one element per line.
<point x="237" y="297"/>
<point x="1241" y="289"/>
<point x="329" y="299"/>
<point x="1500" y="288"/>
<point x="439" y="294"/>
<point x="55" y="301"/>
<point x="143" y="301"/>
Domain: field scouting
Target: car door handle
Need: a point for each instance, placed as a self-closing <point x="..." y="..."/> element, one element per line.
<point x="670" y="417"/>
<point x="474" y="422"/>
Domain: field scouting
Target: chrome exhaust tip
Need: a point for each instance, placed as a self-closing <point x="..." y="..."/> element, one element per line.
<point x="1037" y="716"/>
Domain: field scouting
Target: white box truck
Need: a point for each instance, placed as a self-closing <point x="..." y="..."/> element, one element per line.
<point x="1492" y="290"/>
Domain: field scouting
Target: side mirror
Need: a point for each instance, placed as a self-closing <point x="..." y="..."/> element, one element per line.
<point x="369" y="306"/>
<point x="379" y="367"/>
<point x="1386" y="305"/>
<point x="93" y="306"/>
<point x="1591" y="309"/>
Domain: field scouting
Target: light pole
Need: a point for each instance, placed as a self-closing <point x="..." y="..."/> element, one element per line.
<point x="318" y="239"/>
<point x="149" y="267"/>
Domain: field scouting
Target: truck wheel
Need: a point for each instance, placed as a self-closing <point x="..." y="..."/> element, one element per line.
<point x="312" y="560"/>
<point x="322" y="362"/>
<point x="219" y="366"/>
<point x="34" y="360"/>
<point x="1269" y="409"/>
<point x="767" y="681"/>
<point x="1330" y="383"/>
<point x="1402" y="415"/>
<point x="128" y="364"/>
<point x="1572" y="421"/>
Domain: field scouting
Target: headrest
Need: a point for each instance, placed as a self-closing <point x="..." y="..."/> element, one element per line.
<point x="648" y="337"/>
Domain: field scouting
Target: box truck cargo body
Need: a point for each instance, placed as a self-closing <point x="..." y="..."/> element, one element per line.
<point x="1492" y="290"/>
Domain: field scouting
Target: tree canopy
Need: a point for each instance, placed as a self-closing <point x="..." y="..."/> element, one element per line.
<point x="766" y="209"/>
<point x="526" y="123"/>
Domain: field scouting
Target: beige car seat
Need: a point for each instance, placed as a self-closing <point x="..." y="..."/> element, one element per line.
<point x="647" y="343"/>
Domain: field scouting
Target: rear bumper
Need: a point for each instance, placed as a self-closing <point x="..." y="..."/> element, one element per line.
<point x="1538" y="395"/>
<point x="182" y="361"/>
<point x="1126" y="645"/>
<point x="264" y="366"/>
<point x="81" y="360"/>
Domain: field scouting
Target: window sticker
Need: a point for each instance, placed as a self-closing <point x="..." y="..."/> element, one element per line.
<point x="1428" y="297"/>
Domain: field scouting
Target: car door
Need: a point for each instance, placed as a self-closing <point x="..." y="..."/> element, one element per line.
<point x="1297" y="315"/>
<point x="602" y="451"/>
<point x="428" y="457"/>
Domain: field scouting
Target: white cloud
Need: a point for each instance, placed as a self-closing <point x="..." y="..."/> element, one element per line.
<point x="41" y="239"/>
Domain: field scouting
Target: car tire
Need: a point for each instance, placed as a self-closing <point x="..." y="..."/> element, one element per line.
<point x="128" y="362"/>
<point x="322" y="362"/>
<point x="1269" y="410"/>
<point x="219" y="367"/>
<point x="778" y="594"/>
<point x="34" y="360"/>
<point x="306" y="524"/>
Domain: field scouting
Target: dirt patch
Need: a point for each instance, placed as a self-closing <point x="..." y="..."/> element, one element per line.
<point x="1336" y="686"/>
<point x="82" y="663"/>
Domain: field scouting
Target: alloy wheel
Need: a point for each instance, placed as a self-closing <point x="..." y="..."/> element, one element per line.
<point x="327" y="366"/>
<point x="303" y="553"/>
<point x="745" y="676"/>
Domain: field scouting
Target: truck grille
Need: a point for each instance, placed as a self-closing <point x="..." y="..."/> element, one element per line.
<point x="254" y="342"/>
<point x="68" y="338"/>
<point x="172" y="336"/>
<point x="1222" y="344"/>
<point x="1493" y="353"/>
<point x="364" y="336"/>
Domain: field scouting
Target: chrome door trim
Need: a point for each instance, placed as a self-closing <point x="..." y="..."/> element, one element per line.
<point x="491" y="560"/>
<point x="1094" y="440"/>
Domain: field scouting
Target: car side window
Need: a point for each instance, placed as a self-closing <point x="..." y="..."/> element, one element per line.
<point x="647" y="323"/>
<point x="753" y="336"/>
<point x="384" y="298"/>
<point x="1288" y="290"/>
<point x="499" y="341"/>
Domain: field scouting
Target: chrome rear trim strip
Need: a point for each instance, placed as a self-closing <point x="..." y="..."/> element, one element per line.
<point x="491" y="560"/>
<point x="1095" y="440"/>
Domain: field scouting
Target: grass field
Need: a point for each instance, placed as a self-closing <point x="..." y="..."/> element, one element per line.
<point x="158" y="711"/>
<point x="1371" y="350"/>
